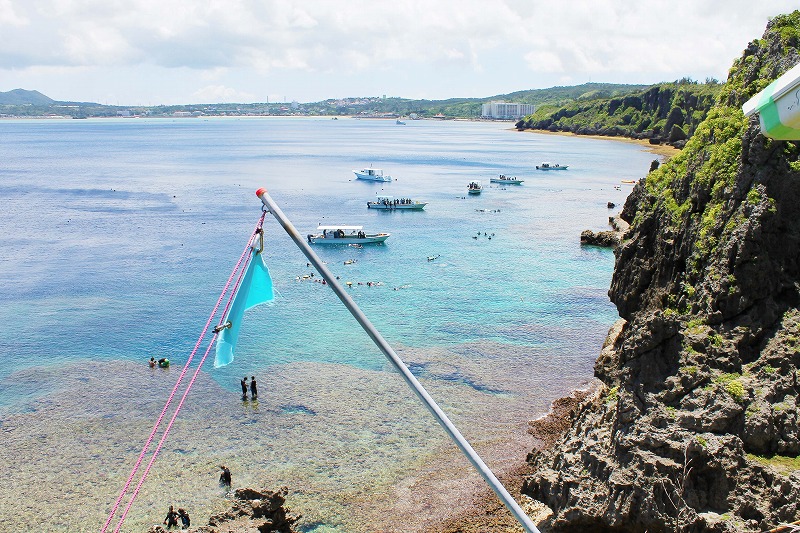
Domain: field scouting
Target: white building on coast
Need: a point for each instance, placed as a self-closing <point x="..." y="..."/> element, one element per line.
<point x="505" y="110"/>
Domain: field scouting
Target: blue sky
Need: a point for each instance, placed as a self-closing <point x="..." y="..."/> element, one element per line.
<point x="152" y="52"/>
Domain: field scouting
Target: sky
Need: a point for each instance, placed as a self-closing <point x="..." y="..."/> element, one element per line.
<point x="162" y="52"/>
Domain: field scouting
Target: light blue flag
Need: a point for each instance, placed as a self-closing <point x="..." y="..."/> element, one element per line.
<point x="255" y="289"/>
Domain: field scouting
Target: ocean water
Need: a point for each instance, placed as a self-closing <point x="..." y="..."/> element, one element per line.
<point x="118" y="235"/>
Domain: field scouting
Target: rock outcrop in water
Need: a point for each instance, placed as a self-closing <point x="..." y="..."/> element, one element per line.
<point x="607" y="239"/>
<point x="251" y="510"/>
<point x="696" y="426"/>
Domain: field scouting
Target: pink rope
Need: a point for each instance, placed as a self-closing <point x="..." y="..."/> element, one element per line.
<point x="183" y="398"/>
<point x="178" y="382"/>
<point x="164" y="437"/>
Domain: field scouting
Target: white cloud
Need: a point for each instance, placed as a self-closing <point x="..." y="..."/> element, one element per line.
<point x="220" y="94"/>
<point x="9" y="16"/>
<point x="480" y="45"/>
<point x="544" y="61"/>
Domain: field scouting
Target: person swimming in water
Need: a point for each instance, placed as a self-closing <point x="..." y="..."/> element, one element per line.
<point x="253" y="388"/>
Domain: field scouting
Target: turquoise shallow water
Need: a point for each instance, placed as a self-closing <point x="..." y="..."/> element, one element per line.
<point x="119" y="234"/>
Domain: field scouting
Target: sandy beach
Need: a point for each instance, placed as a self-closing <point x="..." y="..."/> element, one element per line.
<point x="663" y="150"/>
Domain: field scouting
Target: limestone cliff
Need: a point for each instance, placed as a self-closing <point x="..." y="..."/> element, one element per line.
<point x="663" y="113"/>
<point x="696" y="428"/>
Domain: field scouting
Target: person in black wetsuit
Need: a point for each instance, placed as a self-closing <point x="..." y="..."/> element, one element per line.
<point x="184" y="519"/>
<point x="253" y="388"/>
<point x="225" y="477"/>
<point x="244" y="388"/>
<point x="171" y="519"/>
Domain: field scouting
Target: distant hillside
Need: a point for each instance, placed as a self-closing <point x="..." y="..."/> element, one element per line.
<point x="471" y="107"/>
<point x="667" y="112"/>
<point x="21" y="103"/>
<point x="564" y="95"/>
<point x="23" y="97"/>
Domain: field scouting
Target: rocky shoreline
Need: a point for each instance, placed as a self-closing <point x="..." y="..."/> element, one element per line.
<point x="607" y="239"/>
<point x="695" y="427"/>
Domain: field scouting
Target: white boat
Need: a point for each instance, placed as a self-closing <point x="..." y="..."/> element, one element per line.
<point x="345" y="235"/>
<point x="551" y="166"/>
<point x="391" y="203"/>
<point x="371" y="174"/>
<point x="506" y="179"/>
<point x="474" y="187"/>
<point x="400" y="122"/>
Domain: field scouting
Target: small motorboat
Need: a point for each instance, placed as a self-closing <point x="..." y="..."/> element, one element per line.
<point x="371" y="174"/>
<point x="474" y="187"/>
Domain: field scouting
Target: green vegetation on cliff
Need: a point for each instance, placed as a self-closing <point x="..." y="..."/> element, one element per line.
<point x="703" y="365"/>
<point x="668" y="111"/>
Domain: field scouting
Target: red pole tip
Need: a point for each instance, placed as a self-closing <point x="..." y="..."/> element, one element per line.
<point x="260" y="192"/>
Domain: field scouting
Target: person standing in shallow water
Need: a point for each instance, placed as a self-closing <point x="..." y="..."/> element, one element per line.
<point x="244" y="388"/>
<point x="184" y="519"/>
<point x="171" y="519"/>
<point x="253" y="388"/>
<point x="225" y="477"/>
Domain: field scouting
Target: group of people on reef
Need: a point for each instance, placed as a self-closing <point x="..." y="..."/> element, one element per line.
<point x="253" y="388"/>
<point x="173" y="516"/>
<point x="163" y="362"/>
<point x="171" y="520"/>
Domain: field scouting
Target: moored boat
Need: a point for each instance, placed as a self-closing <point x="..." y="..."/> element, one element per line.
<point x="551" y="166"/>
<point x="391" y="203"/>
<point x="507" y="179"/>
<point x="474" y="187"/>
<point x="371" y="174"/>
<point x="345" y="235"/>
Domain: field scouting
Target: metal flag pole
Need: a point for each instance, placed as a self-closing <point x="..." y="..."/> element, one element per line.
<point x="393" y="358"/>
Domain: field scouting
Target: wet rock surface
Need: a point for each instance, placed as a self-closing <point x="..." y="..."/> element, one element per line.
<point x="607" y="239"/>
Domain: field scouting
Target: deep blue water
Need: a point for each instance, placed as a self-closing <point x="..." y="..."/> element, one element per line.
<point x="117" y="236"/>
